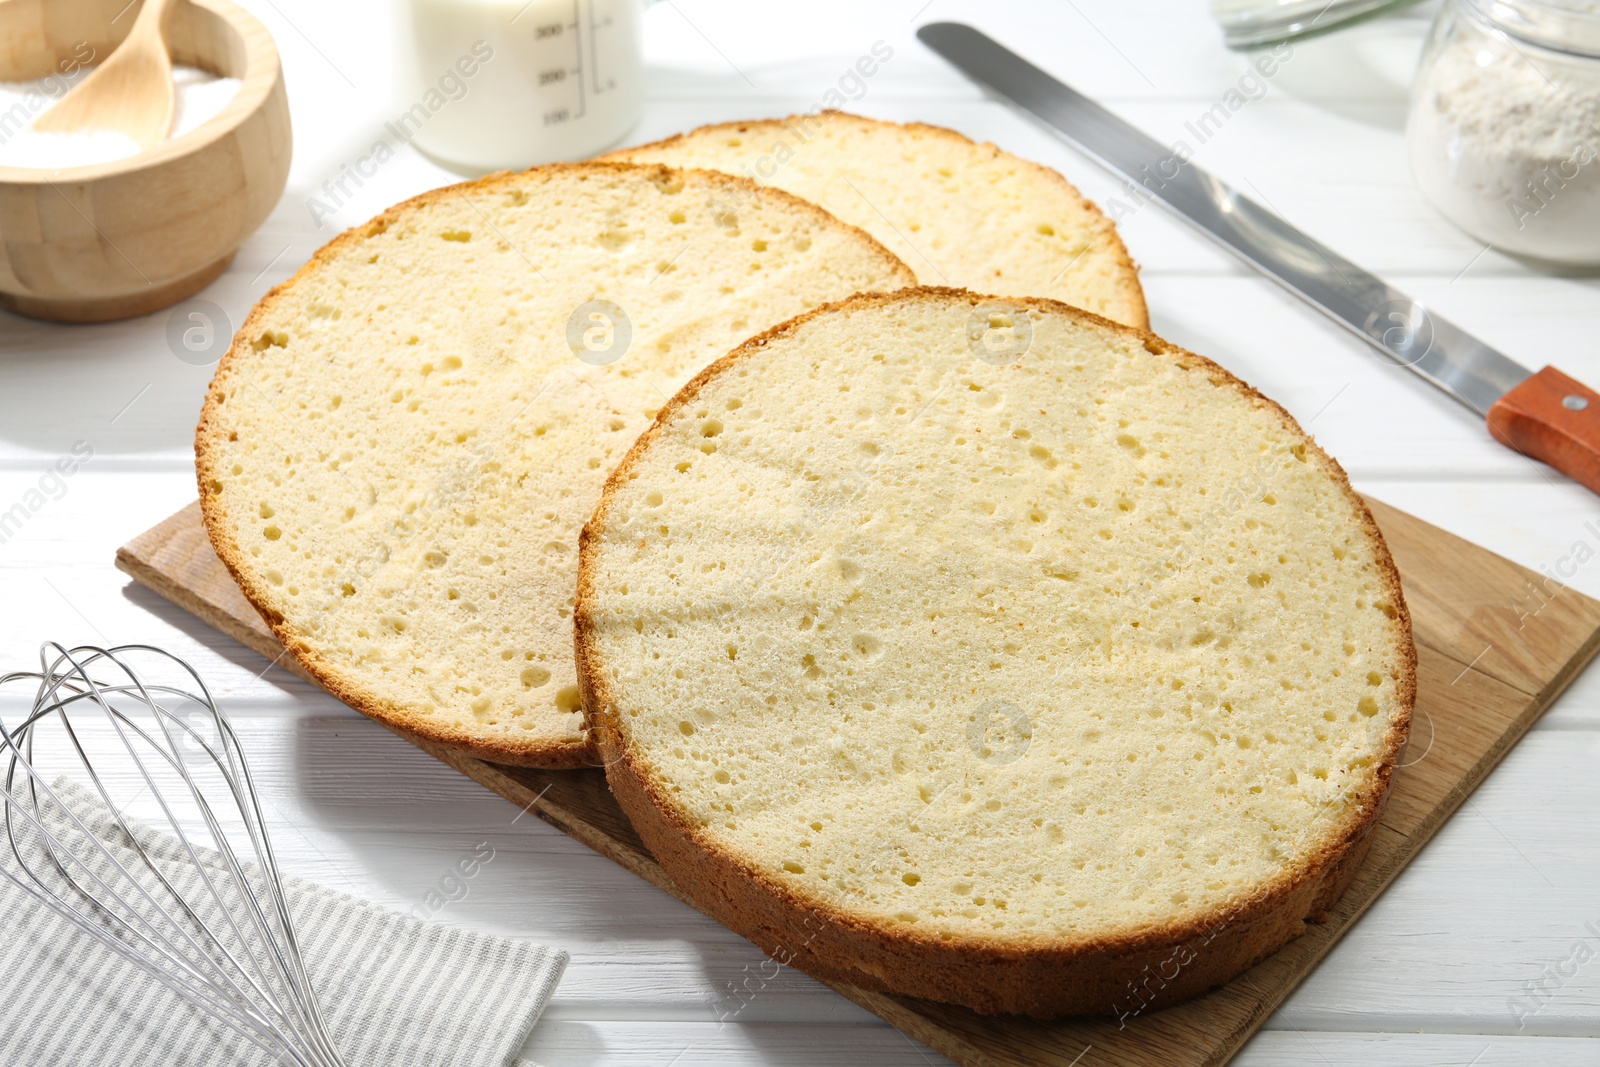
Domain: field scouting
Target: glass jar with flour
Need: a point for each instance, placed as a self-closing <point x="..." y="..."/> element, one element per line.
<point x="1504" y="124"/>
<point x="492" y="84"/>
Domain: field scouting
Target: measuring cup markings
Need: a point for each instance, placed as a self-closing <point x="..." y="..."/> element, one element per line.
<point x="571" y="82"/>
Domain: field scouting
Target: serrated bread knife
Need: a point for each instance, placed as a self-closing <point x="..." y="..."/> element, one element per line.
<point x="1546" y="415"/>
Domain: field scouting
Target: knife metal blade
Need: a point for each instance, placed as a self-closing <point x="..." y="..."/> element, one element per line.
<point x="1546" y="415"/>
<point x="1403" y="330"/>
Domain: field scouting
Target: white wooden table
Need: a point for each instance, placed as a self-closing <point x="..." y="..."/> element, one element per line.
<point x="1503" y="893"/>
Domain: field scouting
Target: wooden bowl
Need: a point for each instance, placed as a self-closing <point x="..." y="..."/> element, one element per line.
<point x="112" y="240"/>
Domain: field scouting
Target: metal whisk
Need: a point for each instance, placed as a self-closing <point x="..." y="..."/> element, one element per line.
<point x="211" y="927"/>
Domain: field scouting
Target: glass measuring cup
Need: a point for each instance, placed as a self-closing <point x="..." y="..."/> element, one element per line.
<point x="493" y="84"/>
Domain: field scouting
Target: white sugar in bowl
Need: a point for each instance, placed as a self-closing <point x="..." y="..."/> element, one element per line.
<point x="109" y="240"/>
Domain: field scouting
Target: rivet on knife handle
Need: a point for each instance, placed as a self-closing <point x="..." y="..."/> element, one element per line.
<point x="1556" y="420"/>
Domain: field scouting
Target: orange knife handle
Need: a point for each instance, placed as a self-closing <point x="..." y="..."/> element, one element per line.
<point x="1556" y="420"/>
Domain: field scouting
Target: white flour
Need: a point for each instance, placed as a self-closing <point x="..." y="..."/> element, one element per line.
<point x="1510" y="151"/>
<point x="200" y="96"/>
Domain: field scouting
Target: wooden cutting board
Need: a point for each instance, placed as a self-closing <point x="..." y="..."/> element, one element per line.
<point x="1495" y="643"/>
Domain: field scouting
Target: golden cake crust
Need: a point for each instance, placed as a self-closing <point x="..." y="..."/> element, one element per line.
<point x="1127" y="281"/>
<point x="548" y="749"/>
<point x="1044" y="976"/>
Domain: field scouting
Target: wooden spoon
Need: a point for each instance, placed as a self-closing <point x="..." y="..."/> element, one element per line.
<point x="130" y="93"/>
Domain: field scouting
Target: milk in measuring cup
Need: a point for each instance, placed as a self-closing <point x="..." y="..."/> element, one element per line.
<point x="511" y="83"/>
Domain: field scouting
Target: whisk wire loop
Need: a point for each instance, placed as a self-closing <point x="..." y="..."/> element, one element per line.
<point x="213" y="928"/>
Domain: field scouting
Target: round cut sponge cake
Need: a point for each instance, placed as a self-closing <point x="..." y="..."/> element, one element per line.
<point x="983" y="650"/>
<point x="957" y="212"/>
<point x="399" y="449"/>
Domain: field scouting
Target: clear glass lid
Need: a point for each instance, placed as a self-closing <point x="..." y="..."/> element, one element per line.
<point x="1253" y="23"/>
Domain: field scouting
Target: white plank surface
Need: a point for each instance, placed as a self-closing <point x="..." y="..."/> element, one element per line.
<point x="1430" y="976"/>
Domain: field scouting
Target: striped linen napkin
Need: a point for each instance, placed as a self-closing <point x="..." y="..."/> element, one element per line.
<point x="394" y="991"/>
